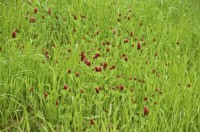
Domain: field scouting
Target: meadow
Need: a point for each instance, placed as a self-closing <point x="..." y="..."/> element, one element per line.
<point x="100" y="65"/>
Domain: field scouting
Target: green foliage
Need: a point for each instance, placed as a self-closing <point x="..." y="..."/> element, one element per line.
<point x="41" y="41"/>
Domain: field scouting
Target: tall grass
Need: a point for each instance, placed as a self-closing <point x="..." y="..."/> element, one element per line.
<point x="44" y="85"/>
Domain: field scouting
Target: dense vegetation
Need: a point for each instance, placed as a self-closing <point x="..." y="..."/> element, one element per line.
<point x="100" y="65"/>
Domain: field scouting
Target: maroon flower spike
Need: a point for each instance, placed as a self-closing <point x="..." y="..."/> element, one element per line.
<point x="107" y="49"/>
<point x="146" y="111"/>
<point x="96" y="55"/>
<point x="125" y="40"/>
<point x="32" y="19"/>
<point x="97" y="90"/>
<point x="138" y="46"/>
<point x="100" y="69"/>
<point x="83" y="56"/>
<point x="69" y="71"/>
<point x="145" y="98"/>
<point x="131" y="34"/>
<point x="96" y="69"/>
<point x="122" y="87"/>
<point x="75" y="17"/>
<point x="88" y="63"/>
<point x="105" y="65"/>
<point x="45" y="94"/>
<point x="123" y="55"/>
<point x="92" y="122"/>
<point x="65" y="87"/>
<point x="126" y="59"/>
<point x="35" y="10"/>
<point x="77" y="74"/>
<point x="14" y="34"/>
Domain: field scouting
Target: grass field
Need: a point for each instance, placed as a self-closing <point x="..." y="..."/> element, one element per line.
<point x="100" y="65"/>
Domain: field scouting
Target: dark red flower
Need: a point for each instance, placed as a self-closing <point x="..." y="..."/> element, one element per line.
<point x="92" y="122"/>
<point x="138" y="46"/>
<point x="75" y="17"/>
<point x="14" y="34"/>
<point x="146" y="111"/>
<point x="35" y="10"/>
<point x="131" y="34"/>
<point x="77" y="74"/>
<point x="126" y="59"/>
<point x="108" y="49"/>
<point x="97" y="90"/>
<point x="105" y="65"/>
<point x="65" y="87"/>
<point x="88" y="63"/>
<point x="45" y="94"/>
<point x="145" y="98"/>
<point x="69" y="71"/>
<point x="96" y="55"/>
<point x="32" y="19"/>
<point x="123" y="55"/>
<point x="82" y="56"/>
<point x="98" y="69"/>
<point x="121" y="87"/>
<point x="125" y="40"/>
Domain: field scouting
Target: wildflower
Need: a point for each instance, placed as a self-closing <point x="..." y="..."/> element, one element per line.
<point x="14" y="34"/>
<point x="146" y="111"/>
